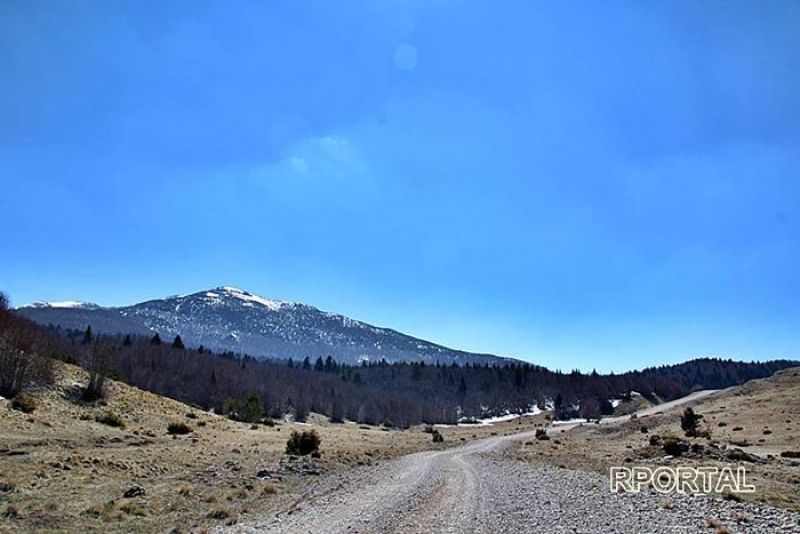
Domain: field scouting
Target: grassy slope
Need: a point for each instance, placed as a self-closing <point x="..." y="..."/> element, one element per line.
<point x="69" y="472"/>
<point x="767" y="411"/>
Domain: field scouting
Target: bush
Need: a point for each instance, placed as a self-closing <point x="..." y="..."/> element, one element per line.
<point x="110" y="419"/>
<point x="178" y="428"/>
<point x="541" y="434"/>
<point x="219" y="513"/>
<point x="247" y="410"/>
<point x="24" y="403"/>
<point x="655" y="440"/>
<point x="428" y="429"/>
<point x="303" y="443"/>
<point x="95" y="389"/>
<point x="674" y="446"/>
<point x="437" y="436"/>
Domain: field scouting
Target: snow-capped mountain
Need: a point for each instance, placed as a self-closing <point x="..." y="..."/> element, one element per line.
<point x="228" y="318"/>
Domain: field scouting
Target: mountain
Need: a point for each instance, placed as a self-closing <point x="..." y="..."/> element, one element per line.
<point x="228" y="318"/>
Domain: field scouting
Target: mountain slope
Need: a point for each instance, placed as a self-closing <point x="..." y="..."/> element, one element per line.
<point x="228" y="318"/>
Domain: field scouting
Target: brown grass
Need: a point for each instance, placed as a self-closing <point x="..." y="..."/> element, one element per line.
<point x="756" y="406"/>
<point x="62" y="454"/>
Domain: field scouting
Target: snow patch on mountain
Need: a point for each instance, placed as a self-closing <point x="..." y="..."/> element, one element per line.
<point x="66" y="304"/>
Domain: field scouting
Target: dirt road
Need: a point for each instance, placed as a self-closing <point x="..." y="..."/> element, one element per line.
<point x="476" y="488"/>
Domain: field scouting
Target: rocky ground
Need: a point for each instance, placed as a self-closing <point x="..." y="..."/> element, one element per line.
<point x="478" y="488"/>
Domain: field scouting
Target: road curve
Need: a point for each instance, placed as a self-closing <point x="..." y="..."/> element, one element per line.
<point x="475" y="488"/>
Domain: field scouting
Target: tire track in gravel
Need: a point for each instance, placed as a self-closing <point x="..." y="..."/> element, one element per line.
<point x="474" y="488"/>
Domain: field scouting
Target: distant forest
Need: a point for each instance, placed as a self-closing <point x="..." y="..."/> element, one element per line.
<point x="398" y="394"/>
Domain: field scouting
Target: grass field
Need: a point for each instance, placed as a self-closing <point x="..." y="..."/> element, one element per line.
<point x="63" y="470"/>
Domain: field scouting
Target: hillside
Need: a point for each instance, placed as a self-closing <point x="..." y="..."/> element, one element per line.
<point x="750" y="426"/>
<point x="62" y="470"/>
<point x="230" y="319"/>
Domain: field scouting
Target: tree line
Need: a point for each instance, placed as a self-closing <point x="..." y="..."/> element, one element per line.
<point x="396" y="394"/>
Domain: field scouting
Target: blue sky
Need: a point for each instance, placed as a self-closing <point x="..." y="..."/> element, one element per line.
<point x="606" y="185"/>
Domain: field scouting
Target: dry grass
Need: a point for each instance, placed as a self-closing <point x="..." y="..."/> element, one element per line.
<point x="61" y="454"/>
<point x="768" y="404"/>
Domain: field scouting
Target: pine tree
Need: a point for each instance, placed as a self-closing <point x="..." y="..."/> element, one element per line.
<point x="690" y="421"/>
<point x="156" y="340"/>
<point x="127" y="341"/>
<point x="178" y="343"/>
<point x="87" y="335"/>
<point x="462" y="388"/>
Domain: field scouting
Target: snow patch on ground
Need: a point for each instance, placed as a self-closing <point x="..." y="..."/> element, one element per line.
<point x="488" y="421"/>
<point x="570" y="421"/>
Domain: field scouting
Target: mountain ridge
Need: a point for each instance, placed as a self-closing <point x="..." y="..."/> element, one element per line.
<point x="227" y="318"/>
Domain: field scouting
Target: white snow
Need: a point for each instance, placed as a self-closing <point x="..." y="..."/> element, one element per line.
<point x="615" y="402"/>
<point x="570" y="421"/>
<point x="488" y="421"/>
<point x="240" y="294"/>
<point x="62" y="304"/>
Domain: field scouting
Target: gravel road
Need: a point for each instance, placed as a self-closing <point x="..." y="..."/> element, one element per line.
<point x="475" y="488"/>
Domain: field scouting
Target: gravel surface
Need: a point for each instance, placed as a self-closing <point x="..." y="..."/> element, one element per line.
<point x="475" y="488"/>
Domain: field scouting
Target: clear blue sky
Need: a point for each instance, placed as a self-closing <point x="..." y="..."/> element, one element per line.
<point x="597" y="184"/>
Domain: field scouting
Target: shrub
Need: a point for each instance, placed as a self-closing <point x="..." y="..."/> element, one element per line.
<point x="7" y="486"/>
<point x="247" y="410"/>
<point x="95" y="389"/>
<point x="674" y="446"/>
<point x="178" y="428"/>
<point x="11" y="512"/>
<point x="110" y="419"/>
<point x="219" y="513"/>
<point x="541" y="434"/>
<point x="24" y="403"/>
<point x="428" y="429"/>
<point x="437" y="436"/>
<point x="303" y="443"/>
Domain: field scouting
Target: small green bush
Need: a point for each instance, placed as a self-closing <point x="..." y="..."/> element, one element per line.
<point x="303" y="443"/>
<point x="541" y="434"/>
<point x="437" y="436"/>
<point x="110" y="419"/>
<point x="23" y="403"/>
